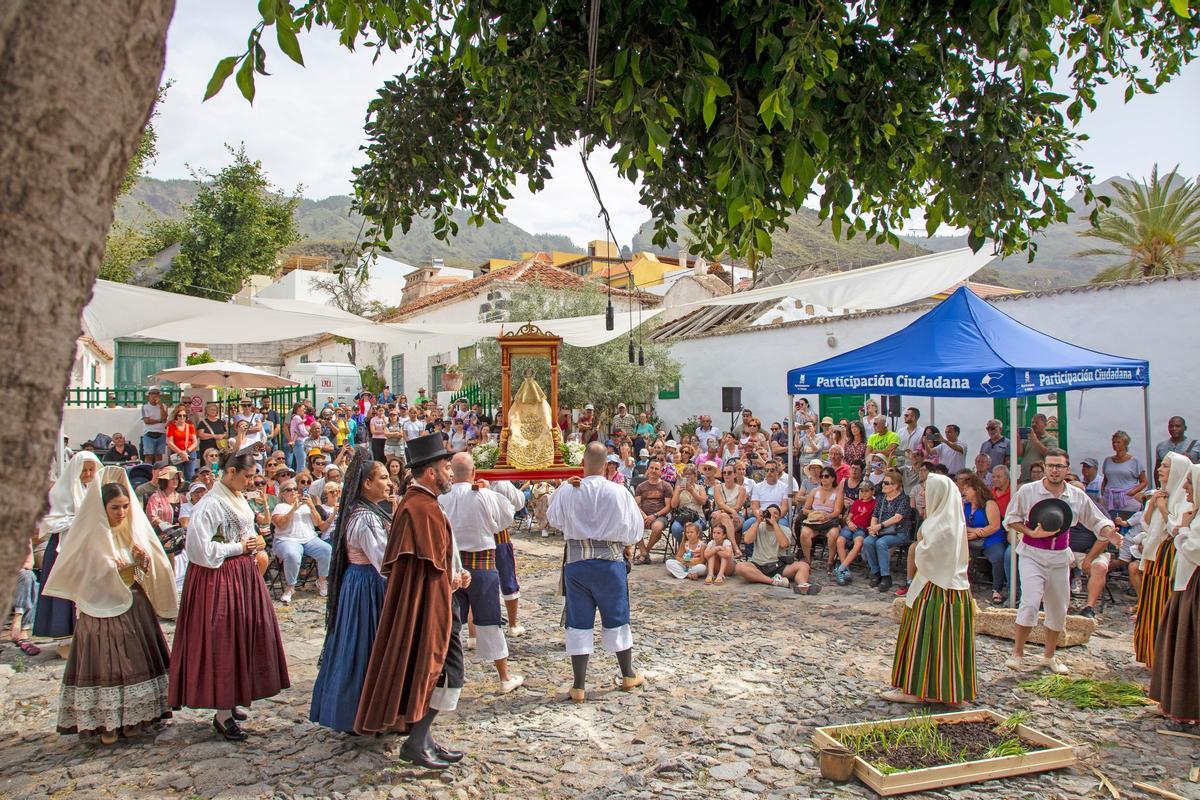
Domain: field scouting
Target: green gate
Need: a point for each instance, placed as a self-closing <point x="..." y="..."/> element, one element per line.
<point x="138" y="359"/>
<point x="1055" y="409"/>
<point x="473" y="394"/>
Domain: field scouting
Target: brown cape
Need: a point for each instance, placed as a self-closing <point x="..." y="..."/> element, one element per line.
<point x="414" y="623"/>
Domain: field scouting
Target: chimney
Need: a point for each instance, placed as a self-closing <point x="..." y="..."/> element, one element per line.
<point x="420" y="282"/>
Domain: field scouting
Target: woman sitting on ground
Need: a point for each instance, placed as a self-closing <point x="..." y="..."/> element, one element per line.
<point x="719" y="554"/>
<point x="822" y="515"/>
<point x="689" y="557"/>
<point x="935" y="649"/>
<point x="985" y="536"/>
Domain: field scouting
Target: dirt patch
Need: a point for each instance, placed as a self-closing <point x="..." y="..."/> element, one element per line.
<point x="926" y="744"/>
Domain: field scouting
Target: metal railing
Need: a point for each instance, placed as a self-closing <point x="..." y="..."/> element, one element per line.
<point x="473" y="394"/>
<point x="101" y="397"/>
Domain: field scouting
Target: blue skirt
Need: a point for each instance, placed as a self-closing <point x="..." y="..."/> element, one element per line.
<point x="55" y="617"/>
<point x="347" y="651"/>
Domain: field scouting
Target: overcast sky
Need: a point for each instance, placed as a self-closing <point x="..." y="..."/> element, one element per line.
<point x="306" y="124"/>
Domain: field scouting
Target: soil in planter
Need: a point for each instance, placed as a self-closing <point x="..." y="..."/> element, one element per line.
<point x="924" y="743"/>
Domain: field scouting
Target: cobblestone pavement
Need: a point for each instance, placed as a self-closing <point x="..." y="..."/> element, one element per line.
<point x="738" y="677"/>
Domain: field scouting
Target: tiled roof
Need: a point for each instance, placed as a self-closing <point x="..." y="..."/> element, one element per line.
<point x="718" y="320"/>
<point x="536" y="269"/>
<point x="96" y="347"/>
<point x="981" y="290"/>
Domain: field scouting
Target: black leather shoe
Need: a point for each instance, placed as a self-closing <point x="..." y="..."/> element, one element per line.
<point x="450" y="756"/>
<point x="423" y="758"/>
<point x="230" y="731"/>
<point x="239" y="715"/>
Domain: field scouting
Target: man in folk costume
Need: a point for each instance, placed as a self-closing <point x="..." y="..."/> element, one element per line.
<point x="476" y="513"/>
<point x="506" y="561"/>
<point x="1175" y="677"/>
<point x="1164" y="513"/>
<point x="935" y="650"/>
<point x="1045" y="558"/>
<point x="600" y="522"/>
<point x="416" y="664"/>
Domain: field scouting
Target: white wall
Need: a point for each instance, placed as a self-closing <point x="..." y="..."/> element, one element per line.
<point x="1136" y="321"/>
<point x="86" y="360"/>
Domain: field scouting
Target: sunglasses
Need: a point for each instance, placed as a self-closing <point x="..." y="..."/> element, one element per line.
<point x="288" y="489"/>
<point x="260" y="483"/>
<point x="888" y="483"/>
<point x="305" y="483"/>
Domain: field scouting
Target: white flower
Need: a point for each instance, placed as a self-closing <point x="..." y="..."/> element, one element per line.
<point x="485" y="455"/>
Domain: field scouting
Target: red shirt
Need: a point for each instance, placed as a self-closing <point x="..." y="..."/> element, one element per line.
<point x="183" y="439"/>
<point x="1002" y="500"/>
<point x="861" y="512"/>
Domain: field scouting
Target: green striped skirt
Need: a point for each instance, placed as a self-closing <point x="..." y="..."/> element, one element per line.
<point x="1157" y="582"/>
<point x="935" y="652"/>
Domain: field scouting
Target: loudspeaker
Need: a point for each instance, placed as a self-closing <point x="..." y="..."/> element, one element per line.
<point x="731" y="399"/>
<point x="891" y="405"/>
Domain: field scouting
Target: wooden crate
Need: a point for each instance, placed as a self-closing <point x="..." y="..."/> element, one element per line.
<point x="1057" y="755"/>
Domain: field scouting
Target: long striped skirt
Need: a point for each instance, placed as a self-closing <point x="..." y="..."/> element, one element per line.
<point x="1157" y="582"/>
<point x="935" y="651"/>
<point x="1175" y="679"/>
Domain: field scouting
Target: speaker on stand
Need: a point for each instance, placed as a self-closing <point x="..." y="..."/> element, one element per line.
<point x="731" y="402"/>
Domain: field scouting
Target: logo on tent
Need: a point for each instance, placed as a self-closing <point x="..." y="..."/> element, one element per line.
<point x="801" y="381"/>
<point x="1028" y="384"/>
<point x="990" y="382"/>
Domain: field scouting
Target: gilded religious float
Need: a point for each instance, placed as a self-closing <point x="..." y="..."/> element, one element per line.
<point x="530" y="441"/>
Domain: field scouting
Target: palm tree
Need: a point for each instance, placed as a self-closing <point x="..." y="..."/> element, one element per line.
<point x="1155" y="224"/>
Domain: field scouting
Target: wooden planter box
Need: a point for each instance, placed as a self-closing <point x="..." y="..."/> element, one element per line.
<point x="1056" y="756"/>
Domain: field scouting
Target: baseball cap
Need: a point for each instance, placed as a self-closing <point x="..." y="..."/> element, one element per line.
<point x="643" y="453"/>
<point x="589" y="407"/>
<point x="1090" y="462"/>
<point x="671" y="444"/>
<point x="613" y="460"/>
<point x="153" y="390"/>
<point x="197" y="485"/>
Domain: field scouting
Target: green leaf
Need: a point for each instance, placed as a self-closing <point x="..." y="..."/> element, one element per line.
<point x="1181" y="8"/>
<point x="831" y="56"/>
<point x="933" y="220"/>
<point x="220" y="75"/>
<point x="245" y="80"/>
<point x="717" y="84"/>
<point x="889" y="129"/>
<point x="711" y="61"/>
<point x="820" y="139"/>
<point x="762" y="240"/>
<point x="288" y="42"/>
<point x="539" y="19"/>
<point x="657" y="133"/>
<point x="502" y="44"/>
<point x="994" y="20"/>
<point x="710" y="108"/>
<point x="266" y="9"/>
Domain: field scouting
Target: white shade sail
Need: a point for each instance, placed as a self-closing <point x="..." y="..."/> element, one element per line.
<point x="225" y="374"/>
<point x="887" y="285"/>
<point x="586" y="331"/>
<point x="118" y="309"/>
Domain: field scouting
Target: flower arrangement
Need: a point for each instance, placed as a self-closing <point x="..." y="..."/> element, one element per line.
<point x="572" y="453"/>
<point x="484" y="455"/>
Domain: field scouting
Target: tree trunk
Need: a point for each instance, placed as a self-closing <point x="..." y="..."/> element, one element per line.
<point x="77" y="83"/>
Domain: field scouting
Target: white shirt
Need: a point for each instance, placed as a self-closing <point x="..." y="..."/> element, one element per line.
<point x="596" y="509"/>
<point x="953" y="459"/>
<point x="300" y="529"/>
<point x="209" y="518"/>
<point x="252" y="437"/>
<point x="910" y="440"/>
<point x="412" y="428"/>
<point x="476" y="516"/>
<point x="767" y="493"/>
<point x="366" y="532"/>
<point x="1084" y="511"/>
<point x="511" y="493"/>
<point x="706" y="435"/>
<point x="154" y="411"/>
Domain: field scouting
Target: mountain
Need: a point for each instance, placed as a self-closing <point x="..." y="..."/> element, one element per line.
<point x="328" y="225"/>
<point x="1056" y="264"/>
<point x="806" y="241"/>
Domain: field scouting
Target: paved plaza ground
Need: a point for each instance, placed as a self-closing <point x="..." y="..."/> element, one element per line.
<point x="738" y="677"/>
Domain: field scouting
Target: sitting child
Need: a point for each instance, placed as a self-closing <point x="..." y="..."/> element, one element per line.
<point x="720" y="553"/>
<point x="850" y="542"/>
<point x="689" y="558"/>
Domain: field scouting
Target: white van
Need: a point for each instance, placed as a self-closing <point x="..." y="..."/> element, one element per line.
<point x="335" y="379"/>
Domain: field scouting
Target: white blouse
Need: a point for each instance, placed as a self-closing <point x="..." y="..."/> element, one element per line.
<point x="211" y="518"/>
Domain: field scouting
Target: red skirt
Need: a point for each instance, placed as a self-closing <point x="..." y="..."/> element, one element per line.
<point x="227" y="650"/>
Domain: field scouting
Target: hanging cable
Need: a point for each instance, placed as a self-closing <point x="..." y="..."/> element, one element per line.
<point x="585" y="145"/>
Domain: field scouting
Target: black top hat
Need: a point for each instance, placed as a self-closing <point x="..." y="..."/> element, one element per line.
<point x="1052" y="513"/>
<point x="426" y="449"/>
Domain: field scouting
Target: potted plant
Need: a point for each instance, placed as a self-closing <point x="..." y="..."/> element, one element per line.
<point x="452" y="378"/>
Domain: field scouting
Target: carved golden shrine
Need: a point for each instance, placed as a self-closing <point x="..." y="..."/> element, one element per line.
<point x="528" y="341"/>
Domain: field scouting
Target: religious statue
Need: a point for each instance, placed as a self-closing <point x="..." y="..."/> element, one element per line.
<point x="531" y="431"/>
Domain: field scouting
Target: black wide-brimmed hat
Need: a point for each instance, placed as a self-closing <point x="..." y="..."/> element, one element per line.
<point x="426" y="449"/>
<point x="1053" y="514"/>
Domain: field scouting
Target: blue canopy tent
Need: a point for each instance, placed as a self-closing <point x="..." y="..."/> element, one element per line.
<point x="965" y="347"/>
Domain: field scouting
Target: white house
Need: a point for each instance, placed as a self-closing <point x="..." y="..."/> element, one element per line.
<point x="386" y="283"/>
<point x="720" y="347"/>
<point x="93" y="366"/>
<point x="419" y="362"/>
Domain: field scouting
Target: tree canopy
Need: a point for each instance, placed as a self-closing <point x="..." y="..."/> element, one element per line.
<point x="740" y="111"/>
<point x="234" y="229"/>
<point x="1156" y="223"/>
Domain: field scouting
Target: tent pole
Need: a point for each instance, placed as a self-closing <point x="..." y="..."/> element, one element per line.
<point x="1151" y="467"/>
<point x="933" y="411"/>
<point x="1013" y="475"/>
<point x="791" y="421"/>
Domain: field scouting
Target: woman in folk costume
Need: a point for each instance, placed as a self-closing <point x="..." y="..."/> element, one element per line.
<point x="1164" y="513"/>
<point x="227" y="650"/>
<point x="935" y="651"/>
<point x="55" y="617"/>
<point x="356" y="589"/>
<point x="1175" y="678"/>
<point x="113" y="568"/>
